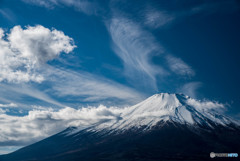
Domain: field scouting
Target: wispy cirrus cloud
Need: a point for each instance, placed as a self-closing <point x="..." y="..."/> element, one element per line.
<point x="156" y="19"/>
<point x="82" y="86"/>
<point x="85" y="6"/>
<point x="23" y="94"/>
<point x="8" y="14"/>
<point x="135" y="47"/>
<point x="210" y="7"/>
<point x="190" y="89"/>
<point x="178" y="66"/>
<point x="89" y="87"/>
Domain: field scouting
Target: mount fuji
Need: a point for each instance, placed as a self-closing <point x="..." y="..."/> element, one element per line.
<point x="163" y="127"/>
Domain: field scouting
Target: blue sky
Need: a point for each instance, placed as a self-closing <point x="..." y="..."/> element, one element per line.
<point x="79" y="53"/>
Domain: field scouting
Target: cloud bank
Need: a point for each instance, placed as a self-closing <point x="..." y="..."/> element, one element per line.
<point x="23" y="51"/>
<point x="38" y="124"/>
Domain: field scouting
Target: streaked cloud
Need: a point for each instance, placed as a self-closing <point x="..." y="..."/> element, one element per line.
<point x="89" y="87"/>
<point x="82" y="86"/>
<point x="84" y="6"/>
<point x="155" y="18"/>
<point x="20" y="94"/>
<point x="135" y="47"/>
<point x="8" y="14"/>
<point x="190" y="89"/>
<point x="43" y="3"/>
<point x="211" y="7"/>
<point x="178" y="66"/>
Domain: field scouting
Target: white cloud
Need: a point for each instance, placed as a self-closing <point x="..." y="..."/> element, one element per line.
<point x="178" y="66"/>
<point x="9" y="105"/>
<point x="23" y="51"/>
<point x="38" y="124"/>
<point x="205" y="105"/>
<point x="39" y="44"/>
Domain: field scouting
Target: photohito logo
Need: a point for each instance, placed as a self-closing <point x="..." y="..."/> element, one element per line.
<point x="213" y="155"/>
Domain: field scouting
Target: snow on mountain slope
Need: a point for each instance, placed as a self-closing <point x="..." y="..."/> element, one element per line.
<point x="185" y="129"/>
<point x="176" y="108"/>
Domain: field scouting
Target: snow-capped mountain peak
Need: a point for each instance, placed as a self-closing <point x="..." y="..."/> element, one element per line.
<point x="154" y="129"/>
<point x="158" y="105"/>
<point x="167" y="107"/>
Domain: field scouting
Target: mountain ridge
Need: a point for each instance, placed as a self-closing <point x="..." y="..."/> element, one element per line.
<point x="164" y="132"/>
<point x="163" y="107"/>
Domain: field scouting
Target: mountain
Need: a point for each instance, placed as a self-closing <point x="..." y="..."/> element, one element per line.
<point x="162" y="127"/>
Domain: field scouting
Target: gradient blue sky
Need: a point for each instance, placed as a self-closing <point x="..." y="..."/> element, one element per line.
<point x="127" y="51"/>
